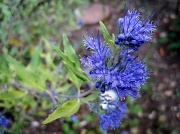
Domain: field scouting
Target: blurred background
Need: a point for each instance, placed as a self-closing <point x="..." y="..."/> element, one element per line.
<point x="28" y="27"/>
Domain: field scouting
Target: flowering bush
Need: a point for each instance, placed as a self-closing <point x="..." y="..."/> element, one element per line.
<point x="114" y="69"/>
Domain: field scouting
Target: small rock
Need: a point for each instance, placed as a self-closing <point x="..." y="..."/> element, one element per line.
<point x="152" y="115"/>
<point x="163" y="107"/>
<point x="174" y="108"/>
<point x="162" y="118"/>
<point x="83" y="124"/>
<point x="35" y="124"/>
<point x="134" y="130"/>
<point x="173" y="16"/>
<point x="163" y="34"/>
<point x="166" y="20"/>
<point x="95" y="13"/>
<point x="161" y="86"/>
<point x="172" y="84"/>
<point x="178" y="115"/>
<point x="168" y="93"/>
<point x="166" y="79"/>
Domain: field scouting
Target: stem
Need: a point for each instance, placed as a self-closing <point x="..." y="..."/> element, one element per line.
<point x="80" y="95"/>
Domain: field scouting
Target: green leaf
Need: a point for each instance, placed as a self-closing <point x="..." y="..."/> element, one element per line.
<point x="163" y="40"/>
<point x="69" y="50"/>
<point x="77" y="76"/>
<point x="66" y="110"/>
<point x="10" y="95"/>
<point x="80" y="74"/>
<point x="29" y="78"/>
<point x="174" y="46"/>
<point x="107" y="37"/>
<point x="75" y="80"/>
<point x="105" y="32"/>
<point x="135" y="109"/>
<point x="64" y="88"/>
<point x="90" y="97"/>
<point x="64" y="57"/>
<point x="35" y="58"/>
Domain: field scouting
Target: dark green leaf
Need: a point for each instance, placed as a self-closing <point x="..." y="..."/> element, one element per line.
<point x="174" y="46"/>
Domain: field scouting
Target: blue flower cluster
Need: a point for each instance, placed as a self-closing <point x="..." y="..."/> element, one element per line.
<point x="133" y="31"/>
<point x="118" y="73"/>
<point x="3" y="122"/>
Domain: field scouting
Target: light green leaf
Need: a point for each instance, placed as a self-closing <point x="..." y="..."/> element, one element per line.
<point x="80" y="74"/>
<point x="35" y="58"/>
<point x="69" y="50"/>
<point x="64" y="88"/>
<point x="77" y="76"/>
<point x="29" y="78"/>
<point x="105" y="32"/>
<point x="90" y="97"/>
<point x="64" y="57"/>
<point x="66" y="110"/>
<point x="10" y="95"/>
<point x="75" y="80"/>
<point x="107" y="37"/>
<point x="46" y="42"/>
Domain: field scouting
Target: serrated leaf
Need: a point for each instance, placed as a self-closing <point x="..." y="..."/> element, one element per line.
<point x="10" y="95"/>
<point x="69" y="50"/>
<point x="66" y="110"/>
<point x="29" y="78"/>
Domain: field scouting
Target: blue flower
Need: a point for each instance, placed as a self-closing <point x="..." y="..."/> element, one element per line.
<point x="133" y="30"/>
<point x="4" y="122"/>
<point x="116" y="72"/>
<point x="73" y="118"/>
<point x="122" y="72"/>
<point x="113" y="116"/>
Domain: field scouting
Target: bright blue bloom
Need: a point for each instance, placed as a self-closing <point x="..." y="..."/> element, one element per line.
<point x="119" y="74"/>
<point x="4" y="122"/>
<point x="133" y="30"/>
<point x="113" y="116"/>
<point x="124" y="74"/>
